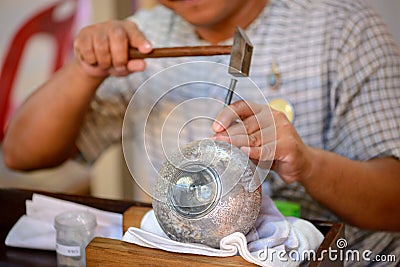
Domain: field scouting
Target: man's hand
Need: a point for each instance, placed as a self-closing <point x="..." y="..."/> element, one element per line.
<point x="102" y="49"/>
<point x="265" y="135"/>
<point x="362" y="193"/>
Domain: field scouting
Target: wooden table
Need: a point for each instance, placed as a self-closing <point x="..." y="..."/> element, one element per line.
<point x="12" y="206"/>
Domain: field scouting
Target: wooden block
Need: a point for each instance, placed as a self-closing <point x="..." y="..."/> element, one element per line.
<point x="111" y="252"/>
<point x="133" y="216"/>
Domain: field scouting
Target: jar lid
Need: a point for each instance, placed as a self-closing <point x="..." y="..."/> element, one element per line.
<point x="75" y="220"/>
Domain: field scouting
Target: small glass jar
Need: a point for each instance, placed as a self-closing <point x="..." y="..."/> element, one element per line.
<point x="74" y="231"/>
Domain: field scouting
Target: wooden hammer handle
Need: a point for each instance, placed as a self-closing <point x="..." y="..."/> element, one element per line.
<point x="184" y="51"/>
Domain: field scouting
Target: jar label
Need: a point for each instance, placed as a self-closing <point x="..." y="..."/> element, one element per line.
<point x="70" y="251"/>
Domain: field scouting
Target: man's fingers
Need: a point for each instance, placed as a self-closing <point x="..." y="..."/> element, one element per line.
<point x="84" y="51"/>
<point x="260" y="120"/>
<point x="102" y="50"/>
<point x="248" y="125"/>
<point x="265" y="152"/>
<point x="258" y="138"/>
<point x="137" y="38"/>
<point x="106" y="46"/>
<point x="136" y="65"/>
<point x="118" y="47"/>
<point x="237" y="110"/>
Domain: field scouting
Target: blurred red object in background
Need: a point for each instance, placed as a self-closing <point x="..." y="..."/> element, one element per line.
<point x="56" y="20"/>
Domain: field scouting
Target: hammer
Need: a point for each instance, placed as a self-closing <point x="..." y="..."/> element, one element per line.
<point x="239" y="66"/>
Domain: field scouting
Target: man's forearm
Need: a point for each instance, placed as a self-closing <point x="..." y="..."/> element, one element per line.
<point x="43" y="131"/>
<point x="365" y="194"/>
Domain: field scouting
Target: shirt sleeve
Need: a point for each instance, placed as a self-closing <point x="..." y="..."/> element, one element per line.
<point x="364" y="119"/>
<point x="103" y="122"/>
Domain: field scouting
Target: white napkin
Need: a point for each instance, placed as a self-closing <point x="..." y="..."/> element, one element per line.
<point x="35" y="229"/>
<point x="272" y="235"/>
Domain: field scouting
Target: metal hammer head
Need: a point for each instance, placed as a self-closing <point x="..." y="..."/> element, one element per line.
<point x="241" y="53"/>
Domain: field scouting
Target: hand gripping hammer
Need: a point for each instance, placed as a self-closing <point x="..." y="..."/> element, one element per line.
<point x="239" y="66"/>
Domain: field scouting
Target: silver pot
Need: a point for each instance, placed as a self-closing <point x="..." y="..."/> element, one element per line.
<point x="206" y="191"/>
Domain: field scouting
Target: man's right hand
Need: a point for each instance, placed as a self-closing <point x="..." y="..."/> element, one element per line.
<point x="102" y="49"/>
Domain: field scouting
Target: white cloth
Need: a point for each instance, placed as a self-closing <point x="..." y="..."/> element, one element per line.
<point x="35" y="229"/>
<point x="275" y="240"/>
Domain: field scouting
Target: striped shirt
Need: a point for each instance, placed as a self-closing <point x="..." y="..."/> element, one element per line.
<point x="338" y="66"/>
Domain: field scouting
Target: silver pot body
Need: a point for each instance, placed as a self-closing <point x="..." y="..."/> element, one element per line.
<point x="206" y="191"/>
